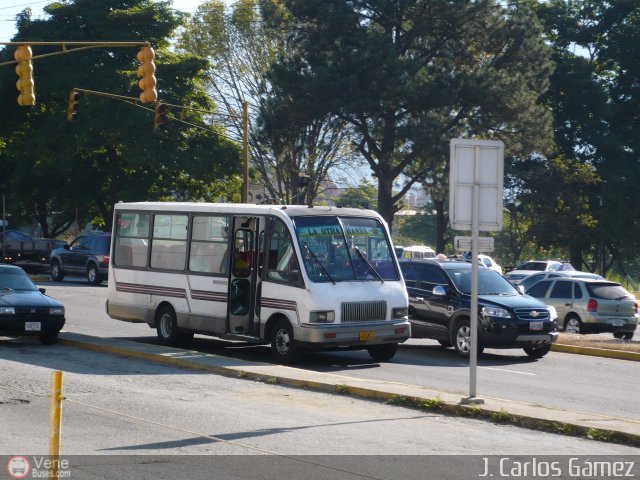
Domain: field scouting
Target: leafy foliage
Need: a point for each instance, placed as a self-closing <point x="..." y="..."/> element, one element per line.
<point x="407" y="76"/>
<point x="109" y="153"/>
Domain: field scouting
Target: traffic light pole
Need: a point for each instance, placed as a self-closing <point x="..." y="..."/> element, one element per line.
<point x="79" y="46"/>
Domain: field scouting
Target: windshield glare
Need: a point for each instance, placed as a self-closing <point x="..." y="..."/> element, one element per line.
<point x="16" y="280"/>
<point x="345" y="248"/>
<point x="489" y="282"/>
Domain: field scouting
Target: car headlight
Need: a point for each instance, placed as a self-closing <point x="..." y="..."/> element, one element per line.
<point x="553" y="314"/>
<point x="7" y="311"/>
<point x="495" y="312"/>
<point x="328" y="316"/>
<point x="56" y="311"/>
<point x="399" y="312"/>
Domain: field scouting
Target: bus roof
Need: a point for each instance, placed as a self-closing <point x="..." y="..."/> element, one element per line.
<point x="246" y="208"/>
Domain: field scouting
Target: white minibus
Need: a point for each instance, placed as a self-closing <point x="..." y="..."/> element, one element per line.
<point x="294" y="277"/>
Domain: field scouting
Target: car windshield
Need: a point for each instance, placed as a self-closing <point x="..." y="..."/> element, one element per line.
<point x="15" y="280"/>
<point x="490" y="282"/>
<point x="338" y="249"/>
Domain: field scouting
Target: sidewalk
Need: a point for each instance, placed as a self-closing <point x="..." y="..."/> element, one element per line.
<point x="540" y="417"/>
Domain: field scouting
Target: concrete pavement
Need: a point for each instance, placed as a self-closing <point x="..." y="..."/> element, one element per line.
<point x="536" y="416"/>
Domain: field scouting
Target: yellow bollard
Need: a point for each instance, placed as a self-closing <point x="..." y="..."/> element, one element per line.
<point x="56" y="422"/>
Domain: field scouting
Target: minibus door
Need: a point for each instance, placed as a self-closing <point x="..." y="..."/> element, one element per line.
<point x="243" y="278"/>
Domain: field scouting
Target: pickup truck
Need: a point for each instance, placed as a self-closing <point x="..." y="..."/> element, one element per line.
<point x="20" y="249"/>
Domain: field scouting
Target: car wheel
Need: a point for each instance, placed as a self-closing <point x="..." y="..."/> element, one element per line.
<point x="48" y="338"/>
<point x="445" y="343"/>
<point x="167" y="327"/>
<point x="623" y="335"/>
<point x="537" y="352"/>
<point x="383" y="353"/>
<point x="462" y="339"/>
<point x="283" y="345"/>
<point x="56" y="271"/>
<point x="93" y="275"/>
<point x="572" y="324"/>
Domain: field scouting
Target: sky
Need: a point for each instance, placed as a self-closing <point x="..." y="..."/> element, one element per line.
<point x="10" y="8"/>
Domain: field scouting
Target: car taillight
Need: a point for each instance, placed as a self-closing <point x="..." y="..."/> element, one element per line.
<point x="592" y="306"/>
<point x="635" y="308"/>
<point x="105" y="258"/>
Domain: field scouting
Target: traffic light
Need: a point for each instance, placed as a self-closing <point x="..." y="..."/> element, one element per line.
<point x="147" y="72"/>
<point x="24" y="69"/>
<point x="159" y="116"/>
<point x="72" y="107"/>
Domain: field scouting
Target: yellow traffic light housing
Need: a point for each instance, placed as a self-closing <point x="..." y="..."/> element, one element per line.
<point x="147" y="72"/>
<point x="24" y="69"/>
<point x="159" y="116"/>
<point x="72" y="107"/>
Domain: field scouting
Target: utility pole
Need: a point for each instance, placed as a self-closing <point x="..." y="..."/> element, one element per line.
<point x="245" y="152"/>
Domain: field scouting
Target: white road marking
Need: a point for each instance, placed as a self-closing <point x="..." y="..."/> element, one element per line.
<point x="510" y="371"/>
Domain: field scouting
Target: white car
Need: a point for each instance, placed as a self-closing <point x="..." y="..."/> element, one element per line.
<point x="530" y="280"/>
<point x="489" y="262"/>
<point x="485" y="260"/>
<point x="534" y="266"/>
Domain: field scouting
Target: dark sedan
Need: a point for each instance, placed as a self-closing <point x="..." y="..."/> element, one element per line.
<point x="25" y="309"/>
<point x="440" y="308"/>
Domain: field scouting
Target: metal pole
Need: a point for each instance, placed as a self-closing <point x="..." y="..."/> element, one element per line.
<point x="4" y="231"/>
<point x="245" y="152"/>
<point x="475" y="234"/>
<point x="56" y="421"/>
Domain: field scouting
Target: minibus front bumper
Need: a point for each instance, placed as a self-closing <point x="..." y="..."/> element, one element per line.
<point x="352" y="335"/>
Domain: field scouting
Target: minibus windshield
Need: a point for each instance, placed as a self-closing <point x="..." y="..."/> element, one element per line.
<point x="336" y="249"/>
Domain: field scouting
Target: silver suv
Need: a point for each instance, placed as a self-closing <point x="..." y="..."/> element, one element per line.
<point x="586" y="305"/>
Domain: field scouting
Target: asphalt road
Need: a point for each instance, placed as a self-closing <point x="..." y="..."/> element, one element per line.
<point x="120" y="406"/>
<point x="576" y="382"/>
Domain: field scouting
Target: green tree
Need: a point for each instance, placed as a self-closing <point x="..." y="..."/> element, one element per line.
<point x="595" y="97"/>
<point x="362" y="196"/>
<point x="110" y="152"/>
<point x="408" y="76"/>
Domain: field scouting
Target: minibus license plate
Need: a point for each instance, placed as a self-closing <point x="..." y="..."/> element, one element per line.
<point x="366" y="336"/>
<point x="32" y="327"/>
<point x="535" y="325"/>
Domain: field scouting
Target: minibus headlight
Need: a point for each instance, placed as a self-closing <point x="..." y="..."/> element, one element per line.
<point x="327" y="316"/>
<point x="399" y="312"/>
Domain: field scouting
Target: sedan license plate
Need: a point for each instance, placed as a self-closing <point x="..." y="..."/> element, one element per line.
<point x="367" y="336"/>
<point x="617" y="322"/>
<point x="32" y="327"/>
<point x="535" y="325"/>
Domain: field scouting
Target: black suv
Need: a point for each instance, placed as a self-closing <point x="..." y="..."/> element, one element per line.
<point x="87" y="255"/>
<point x="440" y="303"/>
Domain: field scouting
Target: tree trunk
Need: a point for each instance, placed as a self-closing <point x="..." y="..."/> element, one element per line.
<point x="386" y="207"/>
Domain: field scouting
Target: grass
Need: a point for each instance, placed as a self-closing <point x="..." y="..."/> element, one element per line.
<point x="599" y="341"/>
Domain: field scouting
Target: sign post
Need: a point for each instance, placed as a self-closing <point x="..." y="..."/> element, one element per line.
<point x="475" y="203"/>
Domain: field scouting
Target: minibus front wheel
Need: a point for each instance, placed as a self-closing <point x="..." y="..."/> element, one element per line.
<point x="283" y="345"/>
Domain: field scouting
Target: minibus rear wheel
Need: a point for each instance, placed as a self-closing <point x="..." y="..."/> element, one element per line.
<point x="167" y="327"/>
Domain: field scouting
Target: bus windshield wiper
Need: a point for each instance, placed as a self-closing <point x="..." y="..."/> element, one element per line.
<point x="364" y="259"/>
<point x="317" y="262"/>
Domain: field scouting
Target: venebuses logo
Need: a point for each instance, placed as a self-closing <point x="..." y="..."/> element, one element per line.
<point x="18" y="467"/>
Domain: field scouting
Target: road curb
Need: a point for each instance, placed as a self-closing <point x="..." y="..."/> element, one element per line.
<point x="535" y="417"/>
<point x="596" y="352"/>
